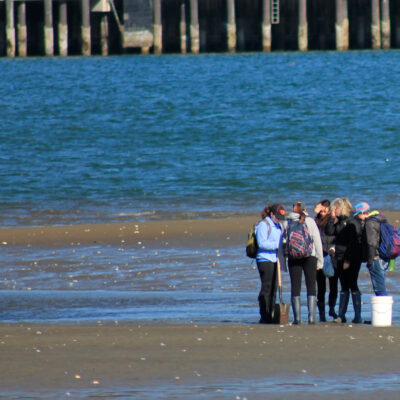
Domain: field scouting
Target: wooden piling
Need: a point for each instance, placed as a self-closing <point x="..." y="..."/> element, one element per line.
<point x="231" y="26"/>
<point x="385" y="24"/>
<point x="157" y="27"/>
<point x="104" y="34"/>
<point x="303" y="26"/>
<point x="266" y="25"/>
<point x="194" y="27"/>
<point x="182" y="29"/>
<point x="342" y="25"/>
<point x="48" y="28"/>
<point x="85" y="28"/>
<point x="21" y="29"/>
<point x="62" y="29"/>
<point x="375" y="25"/>
<point x="10" y="29"/>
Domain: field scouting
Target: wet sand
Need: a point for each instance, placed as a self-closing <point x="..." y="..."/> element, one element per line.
<point x="97" y="357"/>
<point x="35" y="357"/>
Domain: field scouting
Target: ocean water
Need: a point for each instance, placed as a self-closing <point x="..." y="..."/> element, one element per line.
<point x="137" y="138"/>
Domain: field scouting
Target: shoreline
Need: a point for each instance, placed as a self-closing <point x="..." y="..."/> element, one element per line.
<point x="184" y="232"/>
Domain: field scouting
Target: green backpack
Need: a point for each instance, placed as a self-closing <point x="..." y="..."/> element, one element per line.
<point x="252" y="245"/>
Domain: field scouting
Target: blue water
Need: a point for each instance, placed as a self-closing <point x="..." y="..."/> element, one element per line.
<point x="133" y="138"/>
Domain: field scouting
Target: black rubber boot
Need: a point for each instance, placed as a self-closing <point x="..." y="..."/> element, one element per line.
<point x="296" y="310"/>
<point x="321" y="310"/>
<point x="356" y="297"/>
<point x="343" y="303"/>
<point x="332" y="304"/>
<point x="311" y="302"/>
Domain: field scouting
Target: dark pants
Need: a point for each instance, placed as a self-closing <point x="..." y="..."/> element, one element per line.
<point x="349" y="277"/>
<point x="296" y="268"/>
<point x="321" y="287"/>
<point x="266" y="298"/>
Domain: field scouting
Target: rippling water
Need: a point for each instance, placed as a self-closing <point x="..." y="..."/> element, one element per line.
<point x="95" y="139"/>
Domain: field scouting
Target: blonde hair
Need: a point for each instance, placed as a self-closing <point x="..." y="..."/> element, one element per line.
<point x="344" y="205"/>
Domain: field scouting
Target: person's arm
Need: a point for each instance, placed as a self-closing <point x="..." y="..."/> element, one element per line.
<point x="372" y="233"/>
<point x="267" y="236"/>
<point x="316" y="237"/>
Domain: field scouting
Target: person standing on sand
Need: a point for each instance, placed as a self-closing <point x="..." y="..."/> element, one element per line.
<point x="268" y="235"/>
<point x="322" y="210"/>
<point x="370" y="243"/>
<point x="347" y="254"/>
<point x="309" y="263"/>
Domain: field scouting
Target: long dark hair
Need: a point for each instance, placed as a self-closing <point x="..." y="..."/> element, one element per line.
<point x="266" y="212"/>
<point x="322" y="221"/>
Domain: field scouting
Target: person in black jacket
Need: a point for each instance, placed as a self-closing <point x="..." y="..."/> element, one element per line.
<point x="371" y="239"/>
<point x="323" y="215"/>
<point x="347" y="255"/>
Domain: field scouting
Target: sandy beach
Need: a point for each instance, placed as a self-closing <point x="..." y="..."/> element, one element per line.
<point x="132" y="359"/>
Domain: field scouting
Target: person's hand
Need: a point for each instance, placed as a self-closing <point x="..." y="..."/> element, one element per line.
<point x="319" y="268"/>
<point x="318" y="208"/>
<point x="346" y="265"/>
<point x="331" y="251"/>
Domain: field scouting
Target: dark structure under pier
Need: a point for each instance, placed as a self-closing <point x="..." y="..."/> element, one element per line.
<point x="103" y="27"/>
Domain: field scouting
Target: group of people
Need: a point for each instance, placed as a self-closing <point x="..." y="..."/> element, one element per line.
<point x="338" y="234"/>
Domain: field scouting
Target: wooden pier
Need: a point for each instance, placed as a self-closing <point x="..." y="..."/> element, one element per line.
<point x="103" y="27"/>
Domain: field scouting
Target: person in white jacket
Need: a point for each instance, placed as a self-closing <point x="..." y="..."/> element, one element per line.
<point x="308" y="257"/>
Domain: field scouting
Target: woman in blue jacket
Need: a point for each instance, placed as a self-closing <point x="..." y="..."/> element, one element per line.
<point x="268" y="234"/>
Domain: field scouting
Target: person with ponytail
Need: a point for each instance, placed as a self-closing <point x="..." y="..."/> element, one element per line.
<point x="268" y="235"/>
<point x="304" y="255"/>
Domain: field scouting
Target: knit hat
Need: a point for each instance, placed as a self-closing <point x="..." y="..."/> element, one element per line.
<point x="278" y="210"/>
<point x="361" y="207"/>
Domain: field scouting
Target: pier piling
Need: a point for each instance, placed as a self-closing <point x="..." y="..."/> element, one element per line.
<point x="231" y="26"/>
<point x="21" y="29"/>
<point x="194" y="27"/>
<point x="266" y="25"/>
<point x="303" y="26"/>
<point x="10" y="29"/>
<point x="48" y="28"/>
<point x="385" y="25"/>
<point x="62" y="29"/>
<point x="157" y="27"/>
<point x="85" y="28"/>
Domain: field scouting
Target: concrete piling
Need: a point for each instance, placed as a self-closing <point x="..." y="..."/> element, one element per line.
<point x="266" y="25"/>
<point x="303" y="26"/>
<point x="231" y="26"/>
<point x="10" y="29"/>
<point x="375" y="25"/>
<point x="48" y="28"/>
<point x="157" y="27"/>
<point x="62" y="29"/>
<point x="385" y="24"/>
<point x="85" y="28"/>
<point x="21" y="29"/>
<point x="182" y="29"/>
<point x="194" y="27"/>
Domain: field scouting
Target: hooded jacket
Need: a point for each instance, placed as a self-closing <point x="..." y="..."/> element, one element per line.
<point x="315" y="236"/>
<point x="371" y="237"/>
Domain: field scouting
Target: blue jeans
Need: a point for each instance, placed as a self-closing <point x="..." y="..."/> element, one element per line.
<point x="377" y="272"/>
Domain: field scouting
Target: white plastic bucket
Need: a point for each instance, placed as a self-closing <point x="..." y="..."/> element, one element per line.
<point x="381" y="310"/>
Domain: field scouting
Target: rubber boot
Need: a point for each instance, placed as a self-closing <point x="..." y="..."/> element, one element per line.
<point x="343" y="303"/>
<point x="296" y="310"/>
<point x="356" y="297"/>
<point x="311" y="302"/>
<point x="332" y="313"/>
<point x="321" y="310"/>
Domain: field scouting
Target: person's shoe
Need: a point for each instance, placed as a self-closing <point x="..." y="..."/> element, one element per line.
<point x="343" y="303"/>
<point x="332" y="312"/>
